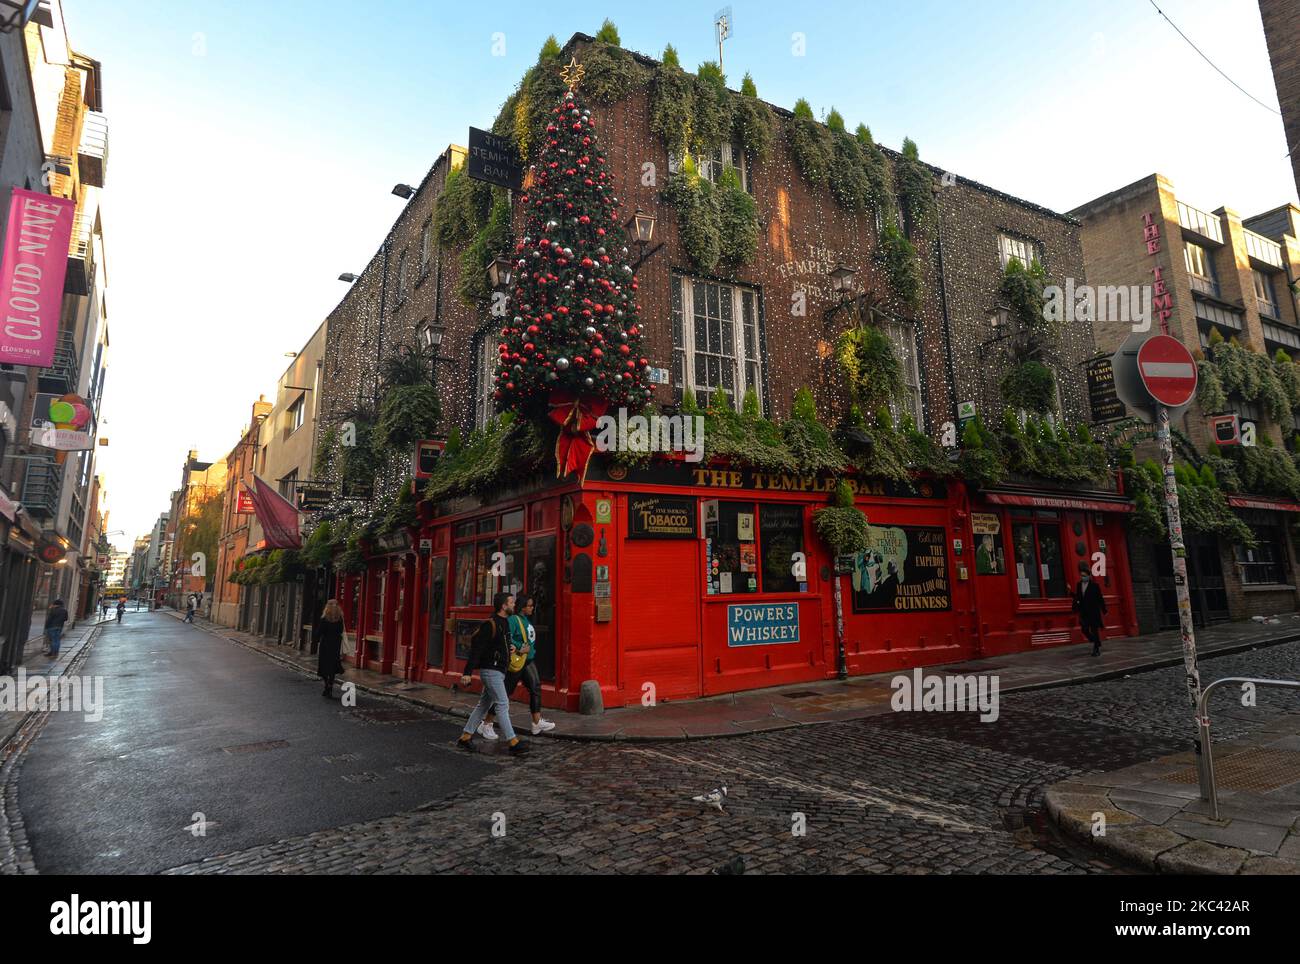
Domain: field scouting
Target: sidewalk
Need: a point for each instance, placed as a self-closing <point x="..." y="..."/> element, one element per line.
<point x="804" y="704"/>
<point x="74" y="641"/>
<point x="1155" y="817"/>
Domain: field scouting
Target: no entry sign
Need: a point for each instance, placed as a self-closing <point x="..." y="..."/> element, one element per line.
<point x="1168" y="370"/>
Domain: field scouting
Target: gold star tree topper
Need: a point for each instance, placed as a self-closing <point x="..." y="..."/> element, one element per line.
<point x="572" y="72"/>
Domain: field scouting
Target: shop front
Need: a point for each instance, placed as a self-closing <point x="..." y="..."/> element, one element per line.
<point x="1030" y="547"/>
<point x="673" y="581"/>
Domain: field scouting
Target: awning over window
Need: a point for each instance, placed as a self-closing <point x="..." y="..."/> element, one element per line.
<point x="1057" y="502"/>
<point x="1248" y="502"/>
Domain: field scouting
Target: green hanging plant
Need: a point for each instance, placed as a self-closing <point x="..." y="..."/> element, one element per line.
<point x="711" y="121"/>
<point x="611" y="73"/>
<point x="491" y="240"/>
<point x="672" y="102"/>
<point x="1031" y="387"/>
<point x="810" y="143"/>
<point x="1209" y="388"/>
<point x="753" y="123"/>
<point x="915" y="187"/>
<point x="460" y="209"/>
<point x="738" y="227"/>
<point x="879" y="187"/>
<point x="698" y="216"/>
<point x="842" y="525"/>
<point x="317" y="551"/>
<point x="848" y="172"/>
<point x="870" y="365"/>
<point x="902" y="265"/>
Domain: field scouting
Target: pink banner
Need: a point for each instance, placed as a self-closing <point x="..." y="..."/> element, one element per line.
<point x="31" y="276"/>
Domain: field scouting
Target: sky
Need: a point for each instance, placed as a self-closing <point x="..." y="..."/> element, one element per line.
<point x="254" y="146"/>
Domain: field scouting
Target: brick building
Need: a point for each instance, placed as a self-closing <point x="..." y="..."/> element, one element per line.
<point x="1282" y="34"/>
<point x="228" y="598"/>
<point x="411" y="610"/>
<point x="1226" y="277"/>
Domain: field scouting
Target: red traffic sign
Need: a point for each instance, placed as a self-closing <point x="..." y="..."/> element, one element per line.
<point x="1168" y="370"/>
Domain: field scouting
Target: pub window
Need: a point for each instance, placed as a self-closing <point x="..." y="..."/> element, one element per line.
<point x="750" y="548"/>
<point x="712" y="162"/>
<point x="1040" y="569"/>
<point x="478" y="577"/>
<point x="1264" y="565"/>
<point x="1024" y="250"/>
<point x="716" y="340"/>
<point x="903" y="336"/>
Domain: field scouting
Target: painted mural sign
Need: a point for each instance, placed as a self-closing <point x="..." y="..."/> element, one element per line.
<point x="761" y="624"/>
<point x="904" y="569"/>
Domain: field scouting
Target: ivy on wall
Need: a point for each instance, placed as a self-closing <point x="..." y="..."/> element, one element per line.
<point x="505" y="449"/>
<point x="1230" y="369"/>
<point x="718" y="225"/>
<point x="491" y="240"/>
<point x="1202" y="503"/>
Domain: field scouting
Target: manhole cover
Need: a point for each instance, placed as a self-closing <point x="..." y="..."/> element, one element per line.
<point x="255" y="747"/>
<point x="391" y="716"/>
<point x="1254" y="770"/>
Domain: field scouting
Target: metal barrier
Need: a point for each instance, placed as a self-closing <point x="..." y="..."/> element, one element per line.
<point x="1209" y="789"/>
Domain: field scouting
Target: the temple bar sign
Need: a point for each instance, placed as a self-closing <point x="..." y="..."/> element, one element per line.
<point x="493" y="159"/>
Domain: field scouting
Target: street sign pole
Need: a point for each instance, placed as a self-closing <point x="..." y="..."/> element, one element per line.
<point x="1174" y="519"/>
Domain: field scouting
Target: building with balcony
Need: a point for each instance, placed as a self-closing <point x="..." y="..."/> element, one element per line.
<point x="1217" y="278"/>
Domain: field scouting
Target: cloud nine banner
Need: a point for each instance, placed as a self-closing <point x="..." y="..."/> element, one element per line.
<point x="31" y="276"/>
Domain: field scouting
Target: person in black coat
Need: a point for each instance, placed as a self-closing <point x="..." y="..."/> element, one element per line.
<point x="328" y="634"/>
<point x="54" y="621"/>
<point x="1091" y="607"/>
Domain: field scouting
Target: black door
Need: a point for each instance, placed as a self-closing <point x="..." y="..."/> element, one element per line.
<point x="1209" y="597"/>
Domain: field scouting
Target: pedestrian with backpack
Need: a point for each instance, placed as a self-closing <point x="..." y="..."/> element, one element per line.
<point x="490" y="653"/>
<point x="523" y="637"/>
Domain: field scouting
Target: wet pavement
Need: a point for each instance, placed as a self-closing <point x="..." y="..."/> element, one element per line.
<point x="190" y="715"/>
<point x="193" y="725"/>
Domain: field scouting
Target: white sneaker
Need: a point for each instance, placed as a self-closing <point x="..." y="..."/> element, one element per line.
<point x="487" y="731"/>
<point x="543" y="726"/>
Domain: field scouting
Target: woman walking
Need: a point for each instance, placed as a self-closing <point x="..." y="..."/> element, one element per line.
<point x="523" y="638"/>
<point x="328" y="634"/>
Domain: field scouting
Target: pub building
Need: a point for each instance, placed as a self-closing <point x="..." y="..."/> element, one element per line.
<point x="709" y="577"/>
<point x="1216" y="277"/>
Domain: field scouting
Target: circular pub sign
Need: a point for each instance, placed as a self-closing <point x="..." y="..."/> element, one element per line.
<point x="1168" y="370"/>
<point x="51" y="552"/>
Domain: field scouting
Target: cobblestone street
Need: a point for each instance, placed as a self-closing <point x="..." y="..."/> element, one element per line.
<point x="909" y="793"/>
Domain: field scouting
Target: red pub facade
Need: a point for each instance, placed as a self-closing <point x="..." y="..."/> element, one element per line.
<point x="680" y="580"/>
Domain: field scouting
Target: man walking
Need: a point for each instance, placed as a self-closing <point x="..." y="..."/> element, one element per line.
<point x="1091" y="607"/>
<point x="54" y="620"/>
<point x="489" y="653"/>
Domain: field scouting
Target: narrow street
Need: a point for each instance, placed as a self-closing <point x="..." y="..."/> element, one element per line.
<point x="290" y="783"/>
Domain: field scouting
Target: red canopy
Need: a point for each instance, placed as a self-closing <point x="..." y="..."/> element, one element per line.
<point x="1057" y="502"/>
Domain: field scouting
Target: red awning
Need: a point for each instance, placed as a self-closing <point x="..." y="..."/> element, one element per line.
<point x="1247" y="502"/>
<point x="1056" y="502"/>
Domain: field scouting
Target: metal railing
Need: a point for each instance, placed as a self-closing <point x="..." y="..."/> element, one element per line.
<point x="1262" y="248"/>
<point x="1209" y="788"/>
<point x="92" y="154"/>
<point x="1202" y="222"/>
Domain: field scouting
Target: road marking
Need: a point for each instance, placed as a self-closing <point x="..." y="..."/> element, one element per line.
<point x="945" y="820"/>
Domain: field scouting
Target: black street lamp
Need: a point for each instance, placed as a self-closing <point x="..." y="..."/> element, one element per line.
<point x="643" y="232"/>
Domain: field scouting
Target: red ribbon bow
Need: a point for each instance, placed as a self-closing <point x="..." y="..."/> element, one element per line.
<point x="577" y="416"/>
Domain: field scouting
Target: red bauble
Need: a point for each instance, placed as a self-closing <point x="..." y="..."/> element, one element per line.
<point x="533" y="329"/>
<point x="624" y="350"/>
<point x="631" y="364"/>
<point x="600" y="232"/>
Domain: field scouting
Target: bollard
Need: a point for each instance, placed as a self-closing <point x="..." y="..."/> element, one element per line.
<point x="590" y="701"/>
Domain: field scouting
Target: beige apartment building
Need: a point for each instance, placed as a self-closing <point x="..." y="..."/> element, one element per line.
<point x="1213" y="275"/>
<point x="287" y="451"/>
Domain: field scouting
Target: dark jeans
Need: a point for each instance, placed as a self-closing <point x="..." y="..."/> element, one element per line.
<point x="532" y="682"/>
<point x="55" y="634"/>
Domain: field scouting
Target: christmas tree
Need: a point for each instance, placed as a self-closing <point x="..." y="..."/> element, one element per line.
<point x="571" y="347"/>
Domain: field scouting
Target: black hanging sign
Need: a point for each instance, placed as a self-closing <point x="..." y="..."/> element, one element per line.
<point x="493" y="159"/>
